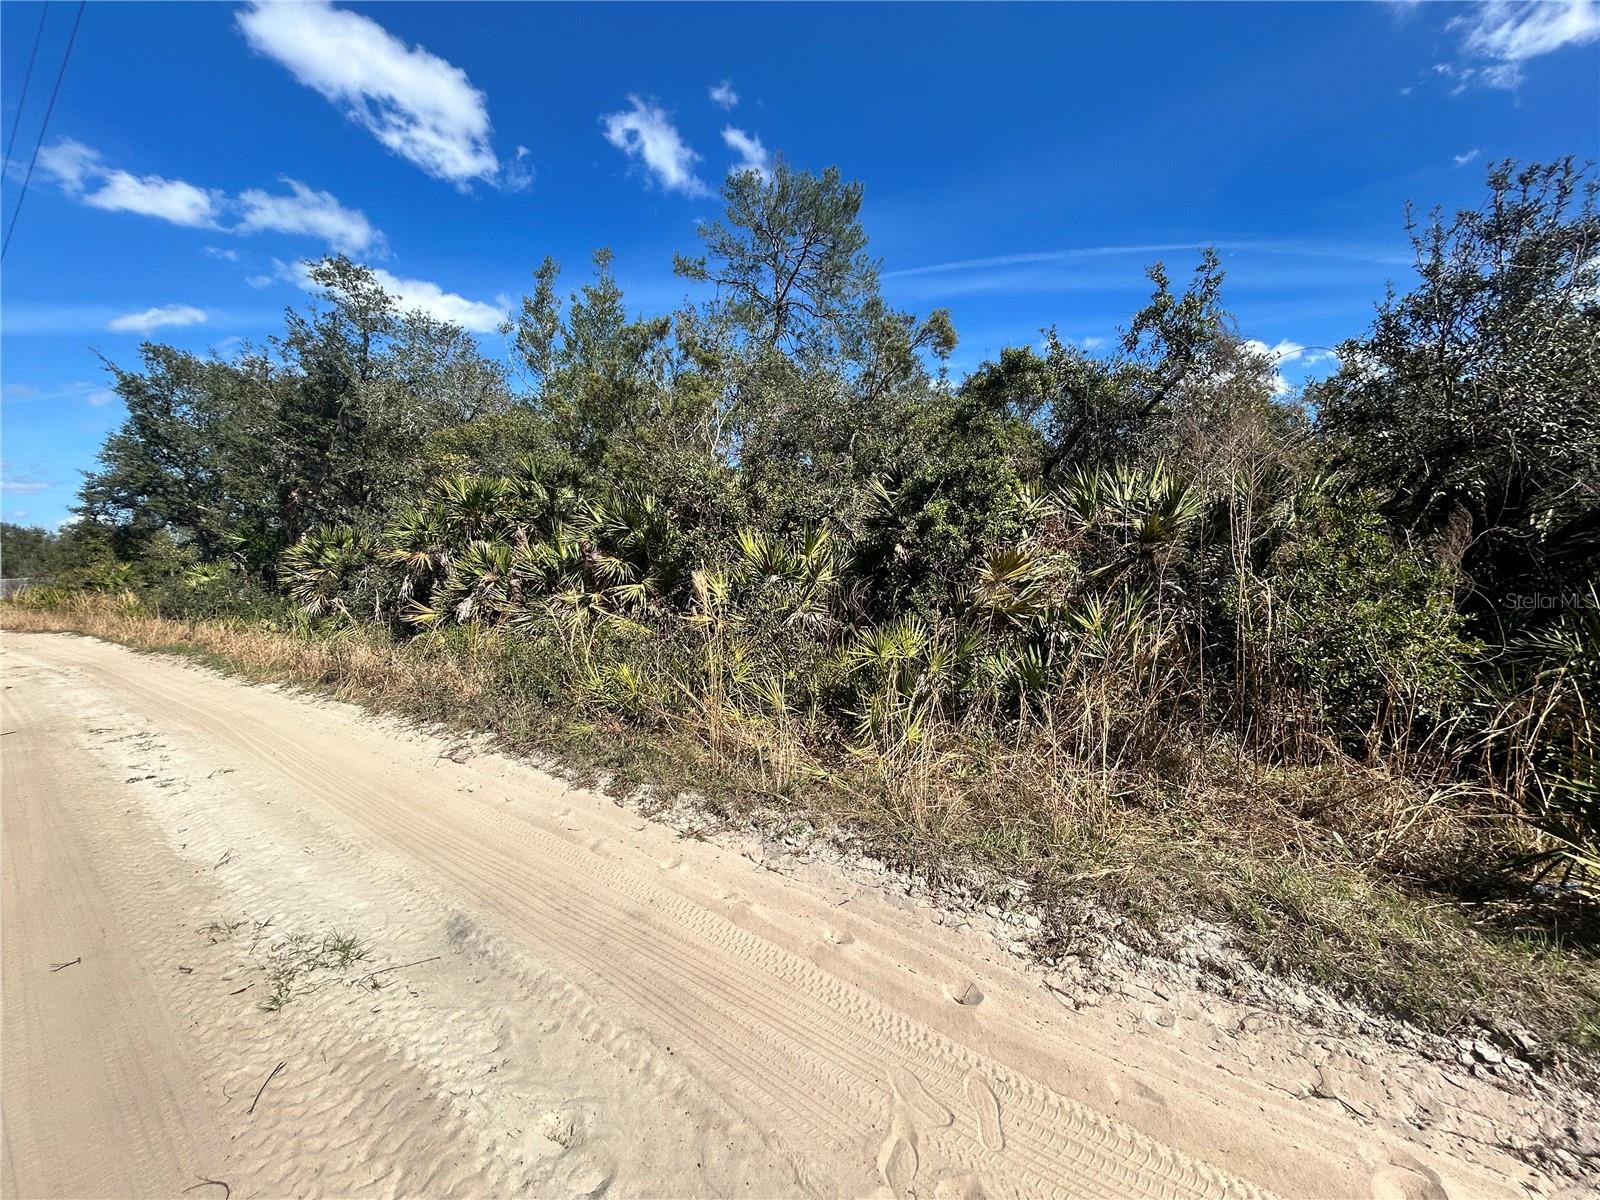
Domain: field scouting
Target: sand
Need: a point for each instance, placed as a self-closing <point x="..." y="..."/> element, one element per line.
<point x="560" y="998"/>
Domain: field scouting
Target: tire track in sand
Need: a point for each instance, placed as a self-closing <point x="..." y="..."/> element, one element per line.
<point x="807" y="1054"/>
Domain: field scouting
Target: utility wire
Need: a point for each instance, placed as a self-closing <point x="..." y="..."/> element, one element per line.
<point x="44" y="125"/>
<point x="27" y="78"/>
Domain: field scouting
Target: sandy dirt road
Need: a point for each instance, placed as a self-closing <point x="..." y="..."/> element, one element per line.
<point x="561" y="998"/>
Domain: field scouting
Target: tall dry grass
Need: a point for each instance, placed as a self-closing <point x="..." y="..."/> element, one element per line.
<point x="1315" y="870"/>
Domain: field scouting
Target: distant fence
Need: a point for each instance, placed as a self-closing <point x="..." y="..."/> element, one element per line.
<point x="10" y="587"/>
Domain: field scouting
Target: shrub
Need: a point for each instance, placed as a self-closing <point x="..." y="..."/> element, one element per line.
<point x="1366" y="623"/>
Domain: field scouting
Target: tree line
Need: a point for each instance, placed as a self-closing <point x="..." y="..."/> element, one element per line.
<point x="778" y="507"/>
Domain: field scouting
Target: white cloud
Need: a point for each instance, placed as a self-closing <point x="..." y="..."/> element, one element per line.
<point x="415" y="103"/>
<point x="77" y="169"/>
<point x="70" y="163"/>
<point x="645" y="133"/>
<point x="100" y="398"/>
<point x="305" y="210"/>
<point x="1462" y="160"/>
<point x="1514" y="32"/>
<point x="430" y="298"/>
<point x="1284" y="352"/>
<point x="752" y="154"/>
<point x="23" y="483"/>
<point x="412" y="295"/>
<point x="517" y="174"/>
<point x="312" y="212"/>
<point x="172" y="200"/>
<point x="155" y="318"/>
<point x="1498" y="37"/>
<point x="724" y="94"/>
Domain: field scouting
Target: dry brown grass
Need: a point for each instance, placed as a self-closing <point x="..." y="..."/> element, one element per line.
<point x="1322" y="873"/>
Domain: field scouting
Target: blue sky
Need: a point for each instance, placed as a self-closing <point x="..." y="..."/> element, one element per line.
<point x="1022" y="163"/>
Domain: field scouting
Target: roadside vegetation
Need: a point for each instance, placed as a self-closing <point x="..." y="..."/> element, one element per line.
<point x="1142" y="628"/>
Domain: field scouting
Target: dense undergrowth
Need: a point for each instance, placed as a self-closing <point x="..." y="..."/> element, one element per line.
<point x="1328" y="873"/>
<point x="1146" y="628"/>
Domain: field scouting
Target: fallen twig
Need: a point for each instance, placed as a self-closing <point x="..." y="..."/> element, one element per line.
<point x="261" y="928"/>
<point x="245" y="988"/>
<point x="251" y="1110"/>
<point x="224" y="858"/>
<point x="226" y="1190"/>
<point x="64" y="966"/>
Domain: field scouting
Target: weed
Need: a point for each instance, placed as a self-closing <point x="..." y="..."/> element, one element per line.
<point x="294" y="963"/>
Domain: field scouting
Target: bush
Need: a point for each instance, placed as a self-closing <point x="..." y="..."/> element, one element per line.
<point x="1367" y="624"/>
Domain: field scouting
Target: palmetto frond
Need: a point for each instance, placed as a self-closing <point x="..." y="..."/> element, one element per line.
<point x="901" y="640"/>
<point x="819" y="557"/>
<point x="1147" y="504"/>
<point x="1076" y="500"/>
<point x="765" y="555"/>
<point x="479" y="583"/>
<point x="416" y="543"/>
<point x="796" y="582"/>
<point x="472" y="507"/>
<point x="1153" y="506"/>
<point x="1030" y="501"/>
<point x="1010" y="587"/>
<point x="526" y="495"/>
<point x="1117" y="628"/>
<point x="635" y="594"/>
<point x="610" y="569"/>
<point x="201" y="575"/>
<point x="317" y="565"/>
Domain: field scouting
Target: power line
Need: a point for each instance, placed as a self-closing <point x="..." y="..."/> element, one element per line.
<point x="27" y="78"/>
<point x="44" y="125"/>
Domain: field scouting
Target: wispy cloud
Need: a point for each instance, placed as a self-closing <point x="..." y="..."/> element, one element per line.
<point x="1462" y="160"/>
<point x="1498" y="37"/>
<point x="156" y="318"/>
<point x="644" y="132"/>
<point x="305" y="210"/>
<point x="752" y="154"/>
<point x="415" y="103"/>
<point x="23" y="393"/>
<point x="82" y="174"/>
<point x="14" y="482"/>
<point x="723" y="94"/>
<point x="1251" y="245"/>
